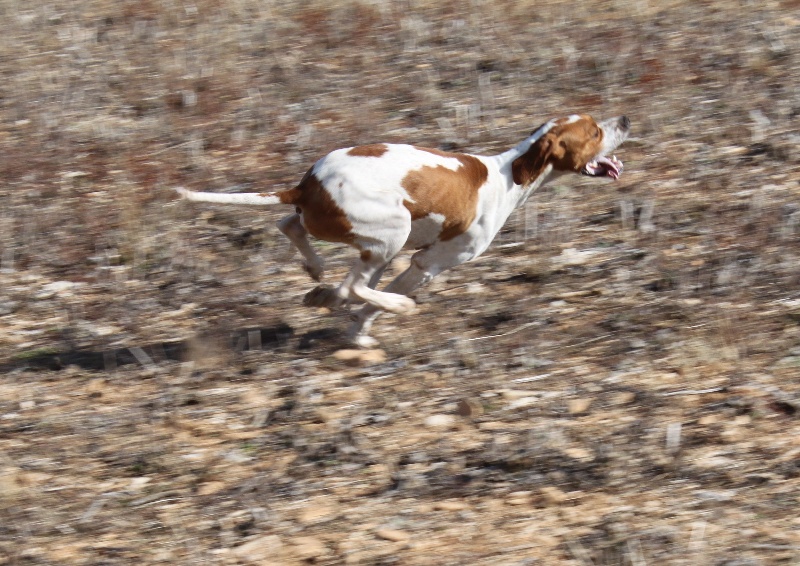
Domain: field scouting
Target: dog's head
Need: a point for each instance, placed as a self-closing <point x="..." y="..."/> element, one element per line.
<point x="576" y="144"/>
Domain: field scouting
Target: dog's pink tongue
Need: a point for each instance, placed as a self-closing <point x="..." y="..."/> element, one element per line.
<point x="611" y="167"/>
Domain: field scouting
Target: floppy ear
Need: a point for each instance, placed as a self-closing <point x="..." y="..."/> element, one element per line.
<point x="528" y="166"/>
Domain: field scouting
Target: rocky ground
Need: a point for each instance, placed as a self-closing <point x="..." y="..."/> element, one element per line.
<point x="616" y="381"/>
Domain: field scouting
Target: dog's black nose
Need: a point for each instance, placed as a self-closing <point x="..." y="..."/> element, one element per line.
<point x="624" y="122"/>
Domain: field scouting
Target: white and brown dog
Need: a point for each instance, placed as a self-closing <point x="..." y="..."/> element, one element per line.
<point x="382" y="198"/>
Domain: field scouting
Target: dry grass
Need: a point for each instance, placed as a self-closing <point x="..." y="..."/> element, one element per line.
<point x="616" y="381"/>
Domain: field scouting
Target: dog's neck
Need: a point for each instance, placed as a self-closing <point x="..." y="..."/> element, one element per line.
<point x="516" y="195"/>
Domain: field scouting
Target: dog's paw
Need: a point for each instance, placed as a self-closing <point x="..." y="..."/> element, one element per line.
<point x="322" y="296"/>
<point x="364" y="341"/>
<point x="400" y="304"/>
<point x="315" y="271"/>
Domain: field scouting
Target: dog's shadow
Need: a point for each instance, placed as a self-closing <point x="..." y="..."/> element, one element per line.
<point x="277" y="338"/>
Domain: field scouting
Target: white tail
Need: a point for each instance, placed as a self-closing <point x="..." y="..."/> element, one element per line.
<point x="254" y="199"/>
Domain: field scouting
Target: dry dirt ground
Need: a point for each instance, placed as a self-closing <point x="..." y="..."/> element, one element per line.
<point x="615" y="382"/>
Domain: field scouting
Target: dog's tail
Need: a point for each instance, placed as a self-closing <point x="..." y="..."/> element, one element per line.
<point x="253" y="199"/>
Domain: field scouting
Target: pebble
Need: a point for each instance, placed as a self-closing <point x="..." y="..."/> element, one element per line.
<point x="577" y="406"/>
<point x="56" y="287"/>
<point x="518" y="498"/>
<point x="210" y="487"/>
<point x="10" y="485"/>
<point x="572" y="257"/>
<point x="8" y="307"/>
<point x="450" y="506"/>
<point x="393" y="535"/>
<point x="623" y="398"/>
<point x="261" y="550"/>
<point x="522" y="402"/>
<point x="360" y="357"/>
<point x="553" y="495"/>
<point x="719" y="496"/>
<point x="579" y="454"/>
<point x="440" y="421"/>
<point x="309" y="548"/>
<point x="493" y="425"/>
<point x="316" y="514"/>
<point x="137" y="484"/>
<point x="514" y="394"/>
<point x="469" y="408"/>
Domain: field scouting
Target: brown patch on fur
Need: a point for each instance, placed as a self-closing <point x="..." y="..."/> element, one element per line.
<point x="322" y="217"/>
<point x="567" y="147"/>
<point x="372" y="150"/>
<point x="366" y="255"/>
<point x="453" y="194"/>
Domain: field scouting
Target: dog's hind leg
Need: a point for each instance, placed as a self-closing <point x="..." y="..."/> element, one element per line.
<point x="293" y="228"/>
<point x="425" y="265"/>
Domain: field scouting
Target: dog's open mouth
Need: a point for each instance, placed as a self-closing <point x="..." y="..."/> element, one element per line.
<point x="603" y="167"/>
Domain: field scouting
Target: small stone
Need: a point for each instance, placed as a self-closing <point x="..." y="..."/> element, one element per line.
<point x="393" y="535"/>
<point x="623" y="398"/>
<point x="440" y="421"/>
<point x="514" y="394"/>
<point x="708" y="420"/>
<point x="261" y="550"/>
<point x="96" y="387"/>
<point x="518" y="498"/>
<point x="579" y="454"/>
<point x="523" y="402"/>
<point x="469" y="408"/>
<point x="309" y="548"/>
<point x="27" y="405"/>
<point x="210" y="487"/>
<point x="553" y="495"/>
<point x="360" y="357"/>
<point x="450" y="506"/>
<point x="493" y="425"/>
<point x="10" y="486"/>
<point x="138" y="484"/>
<point x="578" y="406"/>
<point x="316" y="514"/>
<point x="56" y="288"/>
<point x="718" y="496"/>
<point x="7" y="307"/>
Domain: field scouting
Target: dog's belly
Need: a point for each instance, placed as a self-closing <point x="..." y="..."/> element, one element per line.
<point x="425" y="231"/>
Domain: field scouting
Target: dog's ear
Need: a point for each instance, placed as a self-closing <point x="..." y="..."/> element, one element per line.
<point x="529" y="165"/>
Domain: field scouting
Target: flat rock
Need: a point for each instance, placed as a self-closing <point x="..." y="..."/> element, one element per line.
<point x="360" y="357"/>
<point x="260" y="550"/>
<point x="211" y="487"/>
<point x="578" y="406"/>
<point x="552" y="495"/>
<point x="440" y="422"/>
<point x="519" y="498"/>
<point x="514" y="394"/>
<point x="316" y="514"/>
<point x="493" y="425"/>
<point x="309" y="548"/>
<point x="450" y="506"/>
<point x="393" y="535"/>
<point x="579" y="454"/>
<point x="469" y="408"/>
<point x="623" y="398"/>
<point x="523" y="402"/>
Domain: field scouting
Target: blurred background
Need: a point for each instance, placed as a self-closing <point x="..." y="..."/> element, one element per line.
<point x="616" y="381"/>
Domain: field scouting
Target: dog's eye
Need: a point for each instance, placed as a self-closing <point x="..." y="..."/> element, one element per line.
<point x="597" y="133"/>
